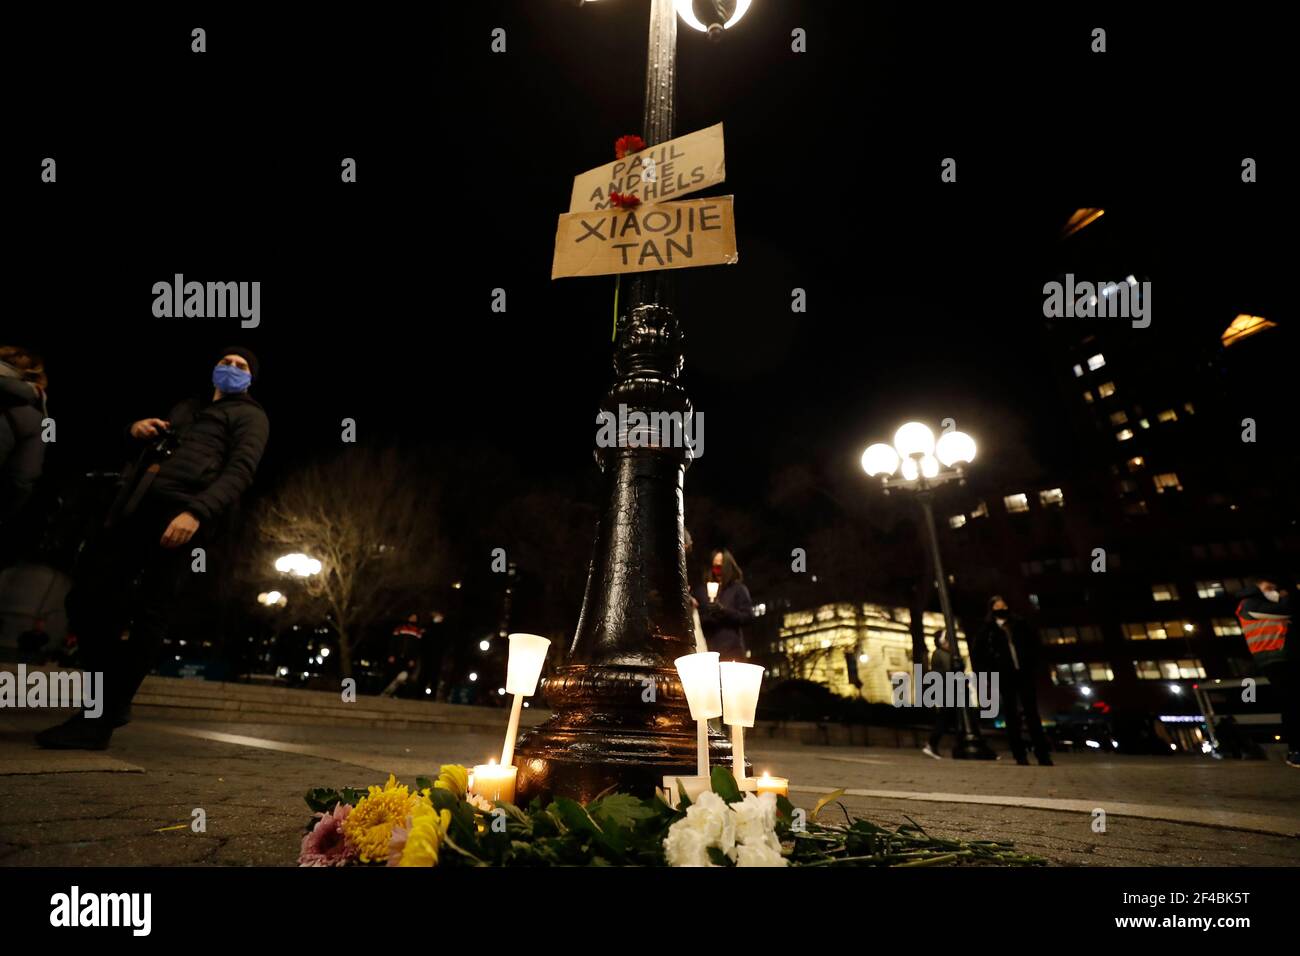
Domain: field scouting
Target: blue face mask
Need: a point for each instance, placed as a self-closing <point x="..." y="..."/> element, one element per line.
<point x="231" y="380"/>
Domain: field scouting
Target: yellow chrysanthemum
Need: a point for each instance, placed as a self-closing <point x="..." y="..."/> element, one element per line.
<point x="424" y="839"/>
<point x="453" y="777"/>
<point x="370" y="824"/>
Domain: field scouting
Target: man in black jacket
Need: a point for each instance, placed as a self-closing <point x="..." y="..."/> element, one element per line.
<point x="1006" y="644"/>
<point x="195" y="467"/>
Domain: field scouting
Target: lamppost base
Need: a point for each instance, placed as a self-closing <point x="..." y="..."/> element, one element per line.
<point x="972" y="748"/>
<point x="604" y="734"/>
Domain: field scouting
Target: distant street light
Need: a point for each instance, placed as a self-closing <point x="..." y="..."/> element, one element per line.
<point x="272" y="599"/>
<point x="922" y="465"/>
<point x="299" y="565"/>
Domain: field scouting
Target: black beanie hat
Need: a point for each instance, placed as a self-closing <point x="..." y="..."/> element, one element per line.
<point x="246" y="354"/>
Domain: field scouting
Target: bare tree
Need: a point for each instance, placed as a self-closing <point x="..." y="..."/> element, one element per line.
<point x="368" y="517"/>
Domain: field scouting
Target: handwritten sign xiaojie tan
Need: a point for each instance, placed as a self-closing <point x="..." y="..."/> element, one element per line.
<point x="665" y="171"/>
<point x="668" y="235"/>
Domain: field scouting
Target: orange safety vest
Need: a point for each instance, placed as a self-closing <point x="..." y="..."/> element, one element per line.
<point x="1265" y="635"/>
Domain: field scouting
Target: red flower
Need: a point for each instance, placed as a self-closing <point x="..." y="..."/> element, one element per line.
<point x="628" y="144"/>
<point x="624" y="200"/>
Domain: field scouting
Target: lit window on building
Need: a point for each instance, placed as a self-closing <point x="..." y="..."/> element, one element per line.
<point x="1096" y="362"/>
<point x="1106" y="389"/>
<point x="1167" y="481"/>
<point x="1209" y="589"/>
<point x="1124" y="434"/>
<point x="1184" y="669"/>
<point x="1136" y="508"/>
<point x="1015" y="503"/>
<point x="1069" y="674"/>
<point x="1168" y="415"/>
<point x="1164" y="592"/>
<point x="1119" y="418"/>
<point x="1187" y="407"/>
<point x="1144" y="423"/>
<point x="1100" y="672"/>
<point x="1087" y="397"/>
<point x="1059" y="635"/>
<point x="1152" y="630"/>
<point x="1226" y="626"/>
<point x="1090" y="633"/>
<point x="1078" y="371"/>
<point x="1244" y="326"/>
<point x="1136" y="463"/>
<point x="1051" y="498"/>
<point x="957" y="521"/>
<point x="981" y="512"/>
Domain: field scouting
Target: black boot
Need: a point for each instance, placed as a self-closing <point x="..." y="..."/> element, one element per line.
<point x="78" y="733"/>
<point x="1044" y="758"/>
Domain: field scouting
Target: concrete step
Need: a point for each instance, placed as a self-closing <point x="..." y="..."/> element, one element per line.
<point x="178" y="698"/>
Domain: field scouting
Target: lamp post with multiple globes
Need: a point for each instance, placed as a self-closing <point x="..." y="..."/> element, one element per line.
<point x="918" y="464"/>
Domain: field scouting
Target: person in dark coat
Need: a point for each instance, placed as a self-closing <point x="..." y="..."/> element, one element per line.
<point x="1265" y="613"/>
<point x="724" y="616"/>
<point x="1006" y="644"/>
<point x="195" y="467"/>
<point x="22" y="410"/>
<point x="943" y="661"/>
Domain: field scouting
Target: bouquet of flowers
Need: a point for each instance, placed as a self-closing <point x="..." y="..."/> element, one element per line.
<point x="441" y="823"/>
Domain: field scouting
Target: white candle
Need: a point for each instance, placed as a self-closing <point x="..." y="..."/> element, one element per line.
<point x="740" y="684"/>
<point x="527" y="654"/>
<point x="770" y="784"/>
<point x="494" y="782"/>
<point x="699" y="674"/>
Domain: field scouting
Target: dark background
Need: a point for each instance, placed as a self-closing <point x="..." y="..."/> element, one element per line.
<point x="923" y="297"/>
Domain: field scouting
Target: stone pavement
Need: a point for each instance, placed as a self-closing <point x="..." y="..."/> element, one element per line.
<point x="133" y="804"/>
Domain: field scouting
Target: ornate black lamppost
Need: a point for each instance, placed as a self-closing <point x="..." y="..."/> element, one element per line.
<point x="620" y="715"/>
<point x="925" y="465"/>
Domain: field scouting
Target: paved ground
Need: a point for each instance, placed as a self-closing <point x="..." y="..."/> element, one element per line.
<point x="134" y="803"/>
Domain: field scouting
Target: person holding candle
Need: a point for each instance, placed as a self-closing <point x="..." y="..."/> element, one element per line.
<point x="725" y="611"/>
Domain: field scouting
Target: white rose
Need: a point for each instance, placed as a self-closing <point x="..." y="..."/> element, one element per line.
<point x="686" y="846"/>
<point x="759" y="854"/>
<point x="756" y="821"/>
<point x="710" y="816"/>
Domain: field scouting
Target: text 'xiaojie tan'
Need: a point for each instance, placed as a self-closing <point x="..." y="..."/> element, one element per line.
<point x="673" y="235"/>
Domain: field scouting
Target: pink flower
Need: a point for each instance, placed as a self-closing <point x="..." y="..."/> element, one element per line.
<point x="326" y="845"/>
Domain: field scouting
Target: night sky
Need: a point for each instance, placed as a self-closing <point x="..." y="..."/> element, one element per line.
<point x="923" y="297"/>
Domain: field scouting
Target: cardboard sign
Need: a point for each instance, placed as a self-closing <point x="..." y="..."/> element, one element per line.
<point x="666" y="171"/>
<point x="669" y="235"/>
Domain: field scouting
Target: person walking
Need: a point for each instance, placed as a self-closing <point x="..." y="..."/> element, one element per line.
<point x="405" y="655"/>
<point x="1006" y="644"/>
<point x="943" y="661"/>
<point x="196" y="466"/>
<point x="1265" y="616"/>
<point x="22" y="411"/>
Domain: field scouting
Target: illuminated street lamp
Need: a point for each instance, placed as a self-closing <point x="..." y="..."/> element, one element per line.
<point x="917" y="463"/>
<point x="299" y="565"/>
<point x="272" y="599"/>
